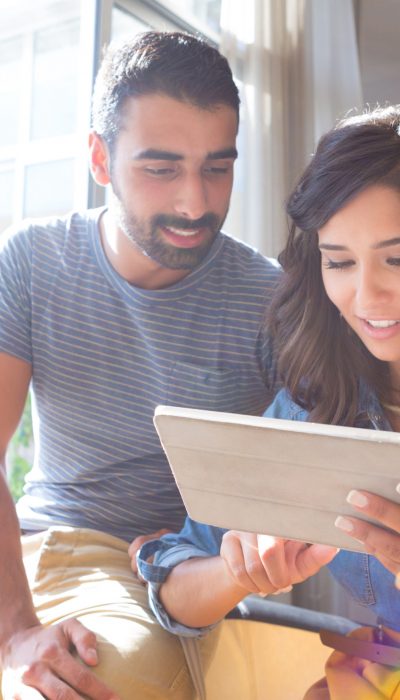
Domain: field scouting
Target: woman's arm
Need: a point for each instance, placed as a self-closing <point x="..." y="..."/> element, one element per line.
<point x="199" y="592"/>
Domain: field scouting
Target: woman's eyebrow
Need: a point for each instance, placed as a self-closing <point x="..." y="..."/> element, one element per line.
<point x="331" y="246"/>
<point x="390" y="241"/>
<point x="377" y="246"/>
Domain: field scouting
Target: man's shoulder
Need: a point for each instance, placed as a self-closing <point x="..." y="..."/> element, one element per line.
<point x="46" y="230"/>
<point x="241" y="253"/>
<point x="252" y="275"/>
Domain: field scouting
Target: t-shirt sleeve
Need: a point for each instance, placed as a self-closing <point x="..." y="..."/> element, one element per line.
<point x="15" y="299"/>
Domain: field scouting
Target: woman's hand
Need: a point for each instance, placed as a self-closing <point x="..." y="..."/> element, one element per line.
<point x="264" y="565"/>
<point x="383" y="544"/>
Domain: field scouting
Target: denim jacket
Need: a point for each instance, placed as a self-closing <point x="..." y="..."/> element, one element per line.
<point x="365" y="579"/>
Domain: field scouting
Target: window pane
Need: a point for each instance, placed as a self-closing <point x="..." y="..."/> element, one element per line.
<point x="206" y="12"/>
<point x="55" y="80"/>
<point x="10" y="79"/>
<point x="124" y="24"/>
<point x="49" y="188"/>
<point x="6" y="198"/>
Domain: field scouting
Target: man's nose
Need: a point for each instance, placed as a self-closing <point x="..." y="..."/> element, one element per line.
<point x="191" y="197"/>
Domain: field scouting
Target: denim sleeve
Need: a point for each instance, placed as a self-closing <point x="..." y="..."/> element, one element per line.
<point x="194" y="540"/>
<point x="285" y="408"/>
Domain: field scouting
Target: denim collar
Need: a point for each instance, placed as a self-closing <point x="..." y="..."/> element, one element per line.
<point x="370" y="412"/>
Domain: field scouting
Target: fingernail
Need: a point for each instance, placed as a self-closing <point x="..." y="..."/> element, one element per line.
<point x="355" y="498"/>
<point x="283" y="590"/>
<point x="92" y="654"/>
<point x="325" y="549"/>
<point x="344" y="524"/>
<point x="398" y="488"/>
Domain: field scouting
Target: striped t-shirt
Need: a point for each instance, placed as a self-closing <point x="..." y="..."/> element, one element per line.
<point x="104" y="354"/>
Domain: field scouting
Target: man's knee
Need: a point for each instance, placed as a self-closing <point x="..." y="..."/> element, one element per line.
<point x="141" y="660"/>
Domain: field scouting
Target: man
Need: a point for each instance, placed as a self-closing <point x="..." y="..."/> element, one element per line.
<point x="108" y="313"/>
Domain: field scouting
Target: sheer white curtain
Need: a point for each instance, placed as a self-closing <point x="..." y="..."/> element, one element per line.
<point x="297" y="64"/>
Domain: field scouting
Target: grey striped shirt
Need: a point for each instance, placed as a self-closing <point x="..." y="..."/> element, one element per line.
<point x="105" y="353"/>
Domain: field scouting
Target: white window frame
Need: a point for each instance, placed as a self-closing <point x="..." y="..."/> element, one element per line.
<point x="95" y="33"/>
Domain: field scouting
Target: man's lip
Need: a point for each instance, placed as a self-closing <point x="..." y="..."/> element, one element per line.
<point x="183" y="231"/>
<point x="195" y="237"/>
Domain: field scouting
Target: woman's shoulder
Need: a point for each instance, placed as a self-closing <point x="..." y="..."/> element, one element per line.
<point x="284" y="407"/>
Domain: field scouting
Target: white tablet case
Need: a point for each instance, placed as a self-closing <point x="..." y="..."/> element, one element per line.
<point x="284" y="478"/>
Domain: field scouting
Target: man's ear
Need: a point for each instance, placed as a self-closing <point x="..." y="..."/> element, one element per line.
<point x="99" y="159"/>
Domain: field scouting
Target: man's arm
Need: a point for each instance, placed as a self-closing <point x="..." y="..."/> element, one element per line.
<point x="31" y="655"/>
<point x="16" y="608"/>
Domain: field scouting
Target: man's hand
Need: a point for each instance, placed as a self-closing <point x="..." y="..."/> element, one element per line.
<point x="384" y="544"/>
<point x="38" y="663"/>
<point x="136" y="544"/>
<point x="266" y="565"/>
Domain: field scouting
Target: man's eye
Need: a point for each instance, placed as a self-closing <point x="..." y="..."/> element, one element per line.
<point x="159" y="172"/>
<point x="331" y="265"/>
<point x="394" y="261"/>
<point x="217" y="169"/>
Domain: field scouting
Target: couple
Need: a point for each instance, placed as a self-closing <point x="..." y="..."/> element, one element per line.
<point x="110" y="312"/>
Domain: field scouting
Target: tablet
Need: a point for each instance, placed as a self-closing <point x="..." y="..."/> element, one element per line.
<point x="278" y="477"/>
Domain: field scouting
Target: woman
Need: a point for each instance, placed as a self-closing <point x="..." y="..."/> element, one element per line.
<point x="336" y="323"/>
<point x="336" y="318"/>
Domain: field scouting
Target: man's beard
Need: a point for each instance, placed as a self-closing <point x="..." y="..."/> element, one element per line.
<point x="147" y="237"/>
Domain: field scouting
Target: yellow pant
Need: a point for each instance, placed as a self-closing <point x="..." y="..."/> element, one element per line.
<point x="86" y="574"/>
<point x="349" y="677"/>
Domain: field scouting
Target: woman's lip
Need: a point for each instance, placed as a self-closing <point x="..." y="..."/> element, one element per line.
<point x="381" y="333"/>
<point x="380" y="320"/>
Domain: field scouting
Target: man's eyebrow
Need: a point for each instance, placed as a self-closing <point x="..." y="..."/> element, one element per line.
<point x="377" y="246"/>
<point x="224" y="153"/>
<point x="156" y="154"/>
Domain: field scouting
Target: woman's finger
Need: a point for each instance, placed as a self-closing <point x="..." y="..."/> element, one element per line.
<point x="385" y="511"/>
<point x="310" y="559"/>
<point x="232" y="551"/>
<point x="377" y="541"/>
<point x="272" y="555"/>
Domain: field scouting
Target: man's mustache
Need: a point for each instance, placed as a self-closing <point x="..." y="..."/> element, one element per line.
<point x="208" y="220"/>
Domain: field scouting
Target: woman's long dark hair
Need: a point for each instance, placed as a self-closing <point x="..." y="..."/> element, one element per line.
<point x="320" y="359"/>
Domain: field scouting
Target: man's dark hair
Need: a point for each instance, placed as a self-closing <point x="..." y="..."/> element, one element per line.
<point x="179" y="65"/>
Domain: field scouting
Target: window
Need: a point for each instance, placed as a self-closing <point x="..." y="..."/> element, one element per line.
<point x="42" y="199"/>
<point x="40" y="140"/>
<point x="54" y="102"/>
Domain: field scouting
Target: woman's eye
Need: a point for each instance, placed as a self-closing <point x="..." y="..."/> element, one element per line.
<point x="394" y="261"/>
<point x="331" y="265"/>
